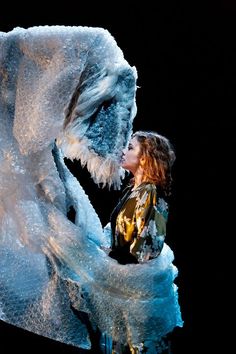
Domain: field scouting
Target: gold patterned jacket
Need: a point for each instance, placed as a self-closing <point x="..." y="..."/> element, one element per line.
<point x="138" y="225"/>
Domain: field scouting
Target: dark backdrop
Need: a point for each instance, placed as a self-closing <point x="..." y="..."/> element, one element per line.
<point x="185" y="57"/>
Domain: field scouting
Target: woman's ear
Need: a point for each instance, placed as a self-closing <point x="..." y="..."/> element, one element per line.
<point x="142" y="161"/>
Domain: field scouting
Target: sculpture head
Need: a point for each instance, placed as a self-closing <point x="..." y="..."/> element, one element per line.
<point x="72" y="85"/>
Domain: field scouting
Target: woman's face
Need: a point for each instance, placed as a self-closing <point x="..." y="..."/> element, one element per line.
<point x="131" y="156"/>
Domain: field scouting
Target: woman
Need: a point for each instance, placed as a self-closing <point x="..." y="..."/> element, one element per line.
<point x="138" y="222"/>
<point x="138" y="225"/>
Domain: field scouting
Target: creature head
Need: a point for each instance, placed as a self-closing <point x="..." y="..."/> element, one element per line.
<point x="72" y="85"/>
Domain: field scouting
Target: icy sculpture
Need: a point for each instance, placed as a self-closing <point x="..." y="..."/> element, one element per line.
<point x="69" y="92"/>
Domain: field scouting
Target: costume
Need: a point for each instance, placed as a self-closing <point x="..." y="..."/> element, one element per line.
<point x="71" y="85"/>
<point x="139" y="225"/>
<point x="138" y="228"/>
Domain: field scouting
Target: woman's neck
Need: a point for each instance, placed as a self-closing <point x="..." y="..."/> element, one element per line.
<point x="138" y="178"/>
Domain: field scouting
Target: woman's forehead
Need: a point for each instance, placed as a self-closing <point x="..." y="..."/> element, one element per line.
<point x="134" y="141"/>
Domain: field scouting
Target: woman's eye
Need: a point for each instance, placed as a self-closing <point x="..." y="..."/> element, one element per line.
<point x="130" y="147"/>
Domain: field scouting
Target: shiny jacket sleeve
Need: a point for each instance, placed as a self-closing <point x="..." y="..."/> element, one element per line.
<point x="150" y="217"/>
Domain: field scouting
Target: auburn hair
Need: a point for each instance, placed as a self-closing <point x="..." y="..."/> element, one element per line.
<point x="159" y="157"/>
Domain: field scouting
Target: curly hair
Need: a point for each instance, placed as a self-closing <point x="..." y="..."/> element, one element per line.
<point x="159" y="157"/>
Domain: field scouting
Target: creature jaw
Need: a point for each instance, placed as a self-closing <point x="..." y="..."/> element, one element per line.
<point x="97" y="128"/>
<point x="104" y="170"/>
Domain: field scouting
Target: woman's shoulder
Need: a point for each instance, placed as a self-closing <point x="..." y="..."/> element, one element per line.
<point x="147" y="187"/>
<point x="153" y="191"/>
<point x="145" y="190"/>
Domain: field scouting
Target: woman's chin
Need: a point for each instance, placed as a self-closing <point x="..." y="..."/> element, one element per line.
<point x="124" y="166"/>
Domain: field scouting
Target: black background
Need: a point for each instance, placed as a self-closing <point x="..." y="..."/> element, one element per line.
<point x="185" y="55"/>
